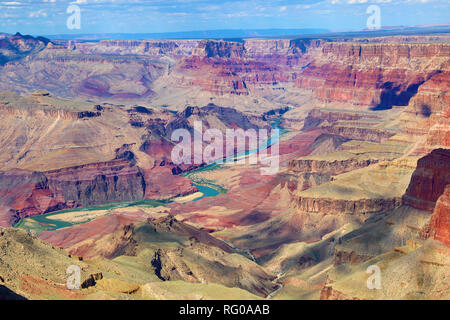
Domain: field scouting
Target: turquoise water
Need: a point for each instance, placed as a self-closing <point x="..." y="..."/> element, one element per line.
<point x="212" y="191"/>
<point x="46" y="224"/>
<point x="208" y="189"/>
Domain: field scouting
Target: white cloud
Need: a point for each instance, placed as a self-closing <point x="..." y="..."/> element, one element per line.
<point x="37" y="14"/>
<point x="237" y="14"/>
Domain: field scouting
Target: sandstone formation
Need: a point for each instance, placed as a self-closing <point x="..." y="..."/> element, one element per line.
<point x="440" y="220"/>
<point x="362" y="74"/>
<point x="177" y="249"/>
<point x="397" y="239"/>
<point x="15" y="47"/>
<point x="429" y="180"/>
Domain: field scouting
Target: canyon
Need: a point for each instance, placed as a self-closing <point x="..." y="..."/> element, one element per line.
<point x="363" y="179"/>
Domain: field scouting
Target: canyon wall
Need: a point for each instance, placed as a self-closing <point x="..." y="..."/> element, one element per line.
<point x="16" y="47"/>
<point x="380" y="74"/>
<point x="33" y="193"/>
<point x="74" y="74"/>
<point x="439" y="228"/>
<point x="97" y="183"/>
<point x="429" y="180"/>
<point x="340" y="206"/>
<point x="333" y="167"/>
<point x="373" y="74"/>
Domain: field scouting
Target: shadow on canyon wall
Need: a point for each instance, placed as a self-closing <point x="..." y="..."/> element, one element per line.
<point x="7" y="294"/>
<point x="393" y="95"/>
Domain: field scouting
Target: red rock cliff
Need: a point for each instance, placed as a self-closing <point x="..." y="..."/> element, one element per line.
<point x="429" y="180"/>
<point x="374" y="74"/>
<point x="440" y="220"/>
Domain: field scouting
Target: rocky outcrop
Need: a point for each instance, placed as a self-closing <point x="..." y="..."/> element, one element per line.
<point x="331" y="167"/>
<point x="235" y="68"/>
<point x="360" y="133"/>
<point x="339" y="206"/>
<point x="91" y="280"/>
<point x="16" y="47"/>
<point x="158" y="144"/>
<point x="216" y="267"/>
<point x="326" y="143"/>
<point x="42" y="111"/>
<point x="330" y="293"/>
<point x="90" y="184"/>
<point x="266" y="47"/>
<point x="439" y="227"/>
<point x="432" y="97"/>
<point x="347" y="124"/>
<point x="219" y="49"/>
<point x="70" y="74"/>
<point x="24" y="193"/>
<point x="341" y="256"/>
<point x="28" y="193"/>
<point x="317" y="117"/>
<point x="428" y="114"/>
<point x="168" y="269"/>
<point x="429" y="180"/>
<point x="118" y="243"/>
<point x="372" y="74"/>
<point x="37" y="269"/>
<point x="306" y="180"/>
<point x="156" y="48"/>
<point x="108" y="236"/>
<point x="229" y="117"/>
<point x="220" y="80"/>
<point x="375" y="74"/>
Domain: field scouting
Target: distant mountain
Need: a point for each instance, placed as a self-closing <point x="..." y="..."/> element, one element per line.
<point x="383" y="32"/>
<point x="237" y="35"/>
<point x="14" y="47"/>
<point x="207" y="34"/>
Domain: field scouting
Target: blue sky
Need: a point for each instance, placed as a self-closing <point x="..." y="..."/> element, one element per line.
<point x="152" y="16"/>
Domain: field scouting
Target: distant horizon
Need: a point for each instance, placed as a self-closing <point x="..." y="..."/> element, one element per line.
<point x="245" y="33"/>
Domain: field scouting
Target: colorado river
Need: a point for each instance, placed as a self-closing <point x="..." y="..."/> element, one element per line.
<point x="209" y="189"/>
<point x="45" y="222"/>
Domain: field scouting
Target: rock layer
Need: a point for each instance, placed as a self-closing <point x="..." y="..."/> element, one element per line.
<point x="429" y="180"/>
<point x="439" y="228"/>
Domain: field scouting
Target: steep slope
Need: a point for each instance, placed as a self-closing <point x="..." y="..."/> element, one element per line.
<point x="439" y="228"/>
<point x="33" y="269"/>
<point x="70" y="153"/>
<point x="372" y="74"/>
<point x="178" y="252"/>
<point x="395" y="241"/>
<point x="16" y="47"/>
<point x="429" y="180"/>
